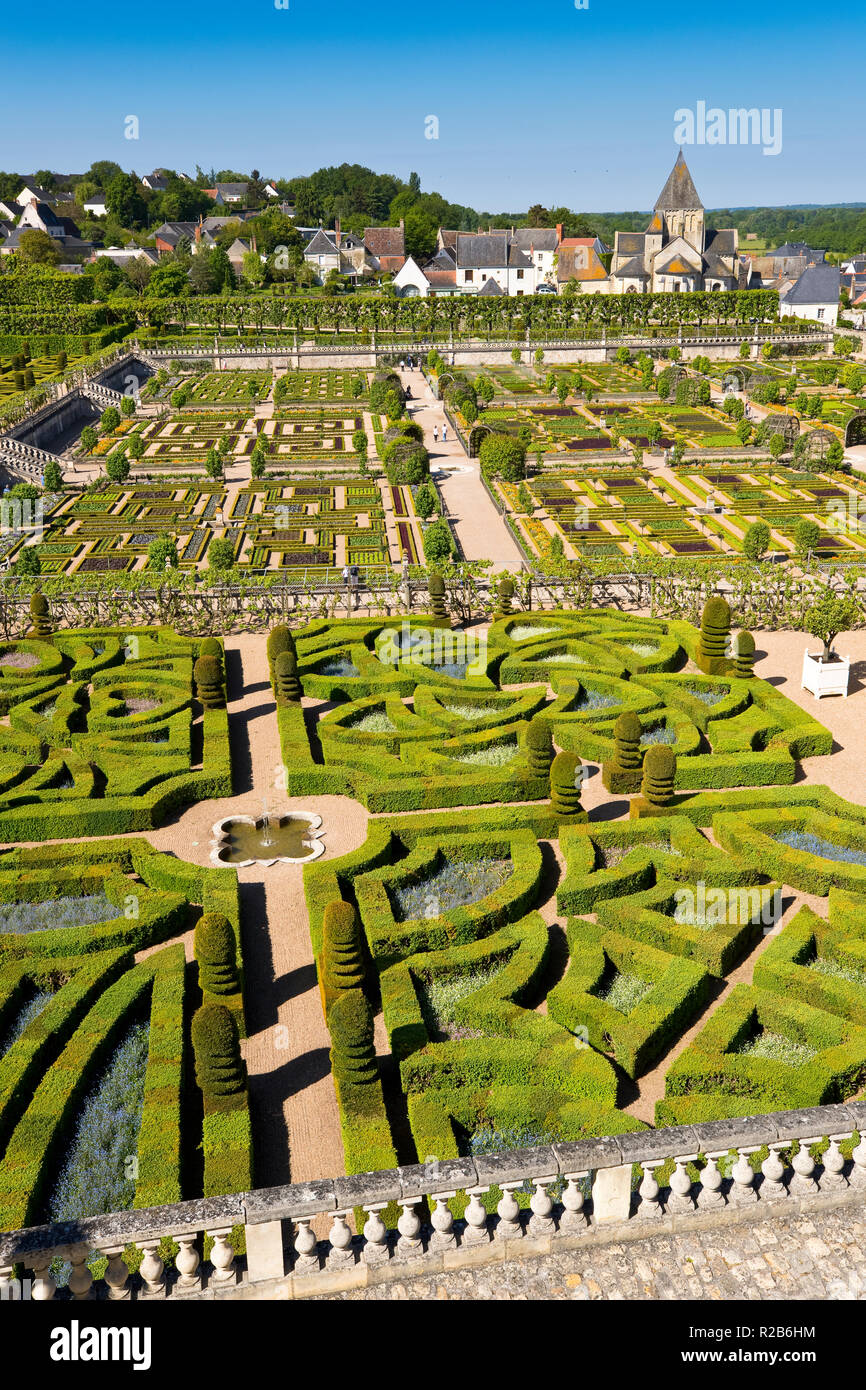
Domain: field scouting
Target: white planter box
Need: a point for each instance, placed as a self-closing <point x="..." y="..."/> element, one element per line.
<point x="825" y="677"/>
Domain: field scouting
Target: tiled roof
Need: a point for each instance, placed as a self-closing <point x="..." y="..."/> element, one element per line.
<point x="539" y="238"/>
<point x="490" y="287"/>
<point x="321" y="245"/>
<point x="482" y="251"/>
<point x="632" y="270"/>
<point x="819" y="284"/>
<point x="385" y="241"/>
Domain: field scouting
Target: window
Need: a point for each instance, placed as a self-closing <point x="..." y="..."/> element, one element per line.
<point x="520" y="274"/>
<point x="470" y="274"/>
<point x="820" y="313"/>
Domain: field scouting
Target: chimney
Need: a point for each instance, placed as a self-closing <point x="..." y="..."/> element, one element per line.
<point x="337" y="230"/>
<point x="198" y="228"/>
<point x="402" y="224"/>
<point x="559" y="231"/>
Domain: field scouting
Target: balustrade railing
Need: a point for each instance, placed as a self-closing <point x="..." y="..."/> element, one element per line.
<point x="590" y="1190"/>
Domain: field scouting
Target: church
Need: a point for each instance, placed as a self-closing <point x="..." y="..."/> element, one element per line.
<point x="677" y="252"/>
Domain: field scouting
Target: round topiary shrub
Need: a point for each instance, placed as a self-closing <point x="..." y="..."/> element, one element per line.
<point x="287" y="682"/>
<point x="436" y="586"/>
<point x="565" y="779"/>
<point x="219" y="1067"/>
<point x="712" y="652"/>
<point x="211" y="646"/>
<point x="406" y="461"/>
<point x="208" y="677"/>
<point x="40" y="612"/>
<point x="353" y="1053"/>
<point x="626" y="736"/>
<point x="343" y="963"/>
<point x="539" y="746"/>
<point x="659" y="774"/>
<point x="280" y="639"/>
<point x="744" y="655"/>
<point x="504" y="595"/>
<point x="215" y="950"/>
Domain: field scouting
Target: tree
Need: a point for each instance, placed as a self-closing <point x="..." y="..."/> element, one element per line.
<point x="127" y="406"/>
<point x="36" y="247"/>
<point x="756" y="541"/>
<point x="830" y="616"/>
<point x="117" y="467"/>
<point x="253" y="271"/>
<point x="562" y="392"/>
<point x="425" y="501"/>
<point x="257" y="465"/>
<point x="437" y="543"/>
<point x="109" y="419"/>
<point x="168" y="280"/>
<point x="162" y="554"/>
<point x="53" y="477"/>
<point x="777" y="444"/>
<point x="501" y="455"/>
<point x="538" y="216"/>
<point x="27" y="561"/>
<point x="89" y="438"/>
<point x="221" y="554"/>
<point x="807" y="536"/>
<point x="125" y="201"/>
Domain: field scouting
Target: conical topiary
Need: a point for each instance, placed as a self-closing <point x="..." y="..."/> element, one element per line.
<point x="280" y="639"/>
<point x="623" y="773"/>
<point x="215" y="950"/>
<point x="208" y="677"/>
<point x="219" y="1067"/>
<point x="287" y="682"/>
<point x="565" y="779"/>
<point x="40" y="612"/>
<point x="211" y="646"/>
<point x="436" y="585"/>
<point x="659" y="774"/>
<point x="744" y="655"/>
<point x="353" y="1052"/>
<point x="343" y="964"/>
<point x="539" y="746"/>
<point x="504" y="595"/>
<point x="712" y="652"/>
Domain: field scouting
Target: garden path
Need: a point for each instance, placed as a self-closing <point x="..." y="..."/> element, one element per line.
<point x="479" y="528"/>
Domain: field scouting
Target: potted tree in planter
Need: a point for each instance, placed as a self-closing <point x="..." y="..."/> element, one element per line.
<point x="827" y="673"/>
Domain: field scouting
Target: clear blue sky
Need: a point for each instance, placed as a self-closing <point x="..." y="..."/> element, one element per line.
<point x="537" y="101"/>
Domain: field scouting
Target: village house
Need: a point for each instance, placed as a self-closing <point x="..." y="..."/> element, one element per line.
<point x="228" y="192"/>
<point x="580" y="259"/>
<point x="387" y="247"/>
<point x="815" y="295"/>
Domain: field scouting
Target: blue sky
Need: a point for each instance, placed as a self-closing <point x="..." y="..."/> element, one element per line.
<point x="536" y="102"/>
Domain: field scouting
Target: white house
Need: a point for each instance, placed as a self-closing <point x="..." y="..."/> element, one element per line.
<point x="96" y="206"/>
<point x="486" y="256"/>
<point x="814" y="296"/>
<point x="541" y="245"/>
<point x="32" y="193"/>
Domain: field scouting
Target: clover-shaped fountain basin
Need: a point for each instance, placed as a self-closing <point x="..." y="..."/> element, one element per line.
<point x="241" y="841"/>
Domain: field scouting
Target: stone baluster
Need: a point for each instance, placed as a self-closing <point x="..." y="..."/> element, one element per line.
<point x="442" y="1221"/>
<point x="341" y="1253"/>
<point x="541" y="1223"/>
<point x="711" y="1196"/>
<point x="306" y="1248"/>
<point x="743" y="1174"/>
<point x="117" y="1274"/>
<point x="858" y="1172"/>
<point x="476" y="1230"/>
<point x="573" y="1221"/>
<point x="803" y="1183"/>
<point x="151" y="1269"/>
<point x="222" y="1257"/>
<point x="80" y="1278"/>
<point x="681" y="1199"/>
<point x="833" y="1177"/>
<point x="187" y="1263"/>
<point x="376" y="1250"/>
<point x="9" y="1289"/>
<point x="650" y="1205"/>
<point x="509" y="1225"/>
<point x="773" y="1188"/>
<point x="409" y="1245"/>
<point x="44" y="1287"/>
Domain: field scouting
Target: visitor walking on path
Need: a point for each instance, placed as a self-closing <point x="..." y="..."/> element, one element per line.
<point x="436" y="434"/>
<point x="444" y="434"/>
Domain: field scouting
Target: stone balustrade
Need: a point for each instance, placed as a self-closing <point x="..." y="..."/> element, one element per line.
<point x="592" y="1190"/>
